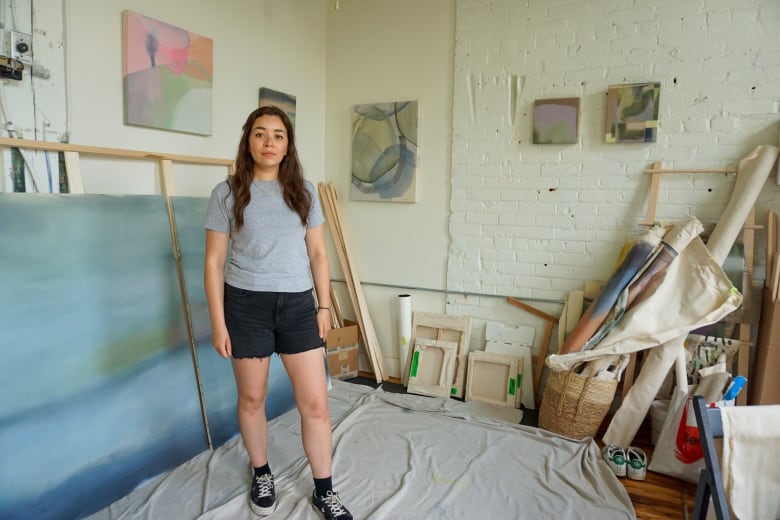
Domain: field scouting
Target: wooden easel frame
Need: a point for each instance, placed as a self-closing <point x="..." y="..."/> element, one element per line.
<point x="748" y="239"/>
<point x="72" y="154"/>
<point x="538" y="360"/>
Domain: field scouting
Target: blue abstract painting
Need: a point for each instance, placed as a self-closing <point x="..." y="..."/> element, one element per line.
<point x="97" y="378"/>
<point x="216" y="374"/>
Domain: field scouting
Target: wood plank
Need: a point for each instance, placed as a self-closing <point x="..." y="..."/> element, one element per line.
<point x="336" y="306"/>
<point x="659" y="169"/>
<point x="327" y="206"/>
<point x="338" y="243"/>
<point x="743" y="357"/>
<point x="168" y="189"/>
<point x="551" y="320"/>
<point x="771" y="248"/>
<point x="592" y="289"/>
<point x="748" y="241"/>
<point x="73" y="169"/>
<point x="362" y="308"/>
<point x="775" y="280"/>
<point x="367" y="332"/>
<point x="531" y="310"/>
<point x="575" y="301"/>
<point x="540" y="365"/>
<point x="652" y="202"/>
<point x="111" y="152"/>
<point x="166" y="178"/>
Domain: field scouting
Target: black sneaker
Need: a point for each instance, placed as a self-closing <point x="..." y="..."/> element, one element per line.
<point x="262" y="497"/>
<point x="330" y="506"/>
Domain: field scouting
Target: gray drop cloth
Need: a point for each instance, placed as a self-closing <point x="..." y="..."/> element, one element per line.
<point x="398" y="456"/>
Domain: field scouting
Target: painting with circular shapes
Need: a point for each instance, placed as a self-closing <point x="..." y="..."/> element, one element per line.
<point x="384" y="151"/>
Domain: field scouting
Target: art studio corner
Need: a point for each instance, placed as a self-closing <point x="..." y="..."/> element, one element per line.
<point x="552" y="235"/>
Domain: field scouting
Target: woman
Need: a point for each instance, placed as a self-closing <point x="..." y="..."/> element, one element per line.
<point x="264" y="303"/>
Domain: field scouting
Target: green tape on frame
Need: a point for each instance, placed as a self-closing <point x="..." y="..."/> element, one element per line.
<point x="415" y="364"/>
<point x="512" y="386"/>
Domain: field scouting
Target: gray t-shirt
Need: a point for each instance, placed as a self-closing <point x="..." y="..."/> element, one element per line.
<point x="269" y="252"/>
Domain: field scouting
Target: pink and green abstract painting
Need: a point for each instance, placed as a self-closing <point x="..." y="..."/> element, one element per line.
<point x="168" y="74"/>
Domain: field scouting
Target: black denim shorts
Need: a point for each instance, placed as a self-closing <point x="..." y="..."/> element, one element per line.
<point x="260" y="323"/>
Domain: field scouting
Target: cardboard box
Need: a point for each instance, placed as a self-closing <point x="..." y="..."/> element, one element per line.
<point x="766" y="385"/>
<point x="342" y="347"/>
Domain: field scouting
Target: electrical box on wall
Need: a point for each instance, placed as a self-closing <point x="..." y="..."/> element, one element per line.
<point x="11" y="69"/>
<point x="18" y="46"/>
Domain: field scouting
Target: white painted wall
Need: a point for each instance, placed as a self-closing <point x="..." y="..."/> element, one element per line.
<point x="538" y="220"/>
<point x="485" y="221"/>
<point x="274" y="43"/>
<point x="381" y="51"/>
<point x="35" y="100"/>
<point x="33" y="107"/>
<point x="527" y="220"/>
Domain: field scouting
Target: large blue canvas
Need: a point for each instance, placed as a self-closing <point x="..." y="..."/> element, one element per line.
<point x="216" y="374"/>
<point x="97" y="376"/>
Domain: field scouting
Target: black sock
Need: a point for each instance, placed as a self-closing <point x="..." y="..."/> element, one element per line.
<point x="262" y="470"/>
<point x="322" y="486"/>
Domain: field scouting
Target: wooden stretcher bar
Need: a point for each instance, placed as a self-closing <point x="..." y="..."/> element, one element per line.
<point x="441" y="327"/>
<point x="492" y="378"/>
<point x="657" y="171"/>
<point x="333" y="215"/>
<point x="110" y="152"/>
<point x="433" y="365"/>
<point x="551" y="320"/>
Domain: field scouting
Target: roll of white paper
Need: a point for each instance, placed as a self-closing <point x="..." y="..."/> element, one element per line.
<point x="404" y="332"/>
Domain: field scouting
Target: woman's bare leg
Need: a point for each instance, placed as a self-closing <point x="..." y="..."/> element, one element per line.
<point x="307" y="375"/>
<point x="252" y="386"/>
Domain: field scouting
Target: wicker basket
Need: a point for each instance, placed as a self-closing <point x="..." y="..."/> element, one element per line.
<point x="575" y="405"/>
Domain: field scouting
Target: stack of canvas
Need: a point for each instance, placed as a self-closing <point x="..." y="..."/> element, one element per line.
<point x="513" y="342"/>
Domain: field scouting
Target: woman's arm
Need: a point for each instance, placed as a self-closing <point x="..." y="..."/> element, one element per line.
<point x="320" y="273"/>
<point x="214" y="282"/>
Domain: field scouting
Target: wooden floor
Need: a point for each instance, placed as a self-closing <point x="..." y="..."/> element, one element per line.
<point x="656" y="497"/>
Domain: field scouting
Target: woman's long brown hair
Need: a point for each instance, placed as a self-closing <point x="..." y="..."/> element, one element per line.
<point x="295" y="194"/>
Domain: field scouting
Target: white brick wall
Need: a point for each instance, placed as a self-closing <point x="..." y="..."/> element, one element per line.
<point x="539" y="220"/>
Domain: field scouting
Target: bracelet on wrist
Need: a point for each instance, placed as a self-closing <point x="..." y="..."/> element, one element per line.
<point x="326" y="308"/>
